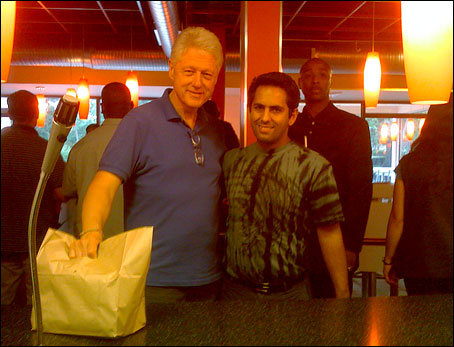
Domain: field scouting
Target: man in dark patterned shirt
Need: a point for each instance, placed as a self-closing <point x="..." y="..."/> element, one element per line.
<point x="22" y="156"/>
<point x="278" y="193"/>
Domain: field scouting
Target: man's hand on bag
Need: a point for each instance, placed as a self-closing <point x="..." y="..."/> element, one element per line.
<point x="87" y="245"/>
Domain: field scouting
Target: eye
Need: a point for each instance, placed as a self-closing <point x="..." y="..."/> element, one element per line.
<point x="276" y="109"/>
<point x="207" y="75"/>
<point x="188" y="72"/>
<point x="258" y="107"/>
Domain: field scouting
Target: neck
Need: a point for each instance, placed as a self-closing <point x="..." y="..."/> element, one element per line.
<point x="316" y="107"/>
<point x="188" y="114"/>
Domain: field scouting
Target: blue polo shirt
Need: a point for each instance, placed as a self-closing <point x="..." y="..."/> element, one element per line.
<point x="164" y="187"/>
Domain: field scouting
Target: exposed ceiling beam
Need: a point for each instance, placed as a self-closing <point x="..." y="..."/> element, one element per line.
<point x="142" y="14"/>
<point x="107" y="17"/>
<point x="296" y="13"/>
<point x="347" y="17"/>
<point x="52" y="15"/>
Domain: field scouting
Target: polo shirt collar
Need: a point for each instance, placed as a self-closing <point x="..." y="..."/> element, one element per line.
<point x="24" y="127"/>
<point x="172" y="115"/>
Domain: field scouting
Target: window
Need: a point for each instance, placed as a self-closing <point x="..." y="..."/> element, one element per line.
<point x="387" y="151"/>
<point x="386" y="154"/>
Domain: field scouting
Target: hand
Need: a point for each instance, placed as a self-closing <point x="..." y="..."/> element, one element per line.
<point x="352" y="260"/>
<point x="390" y="275"/>
<point x="87" y="245"/>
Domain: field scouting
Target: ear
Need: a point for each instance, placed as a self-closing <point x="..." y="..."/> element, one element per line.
<point x="171" y="69"/>
<point x="293" y="116"/>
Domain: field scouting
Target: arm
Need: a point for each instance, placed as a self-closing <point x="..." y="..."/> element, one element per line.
<point x="357" y="193"/>
<point x="395" y="229"/>
<point x="95" y="210"/>
<point x="330" y="238"/>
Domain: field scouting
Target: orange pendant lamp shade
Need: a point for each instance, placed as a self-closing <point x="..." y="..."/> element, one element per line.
<point x="83" y="94"/>
<point x="8" y="23"/>
<point x="410" y="129"/>
<point x="133" y="84"/>
<point x="42" y="105"/>
<point x="394" y="131"/>
<point x="427" y="36"/>
<point x="372" y="79"/>
<point x="384" y="131"/>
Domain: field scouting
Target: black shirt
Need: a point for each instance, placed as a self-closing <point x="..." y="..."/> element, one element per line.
<point x="344" y="140"/>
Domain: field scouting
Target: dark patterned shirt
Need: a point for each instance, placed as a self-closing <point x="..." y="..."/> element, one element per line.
<point x="275" y="200"/>
<point x="22" y="156"/>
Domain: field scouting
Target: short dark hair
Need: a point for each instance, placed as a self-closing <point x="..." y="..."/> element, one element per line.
<point x="23" y="106"/>
<point x="317" y="61"/>
<point x="116" y="100"/>
<point x="276" y="79"/>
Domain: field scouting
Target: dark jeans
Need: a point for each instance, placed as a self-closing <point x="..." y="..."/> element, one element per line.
<point x="428" y="286"/>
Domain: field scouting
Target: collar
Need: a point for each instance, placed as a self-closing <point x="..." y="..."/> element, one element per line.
<point x="172" y="115"/>
<point x="324" y="116"/>
<point x="24" y="127"/>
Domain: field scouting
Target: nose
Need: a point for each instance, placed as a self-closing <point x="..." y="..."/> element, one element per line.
<point x="197" y="80"/>
<point x="266" y="115"/>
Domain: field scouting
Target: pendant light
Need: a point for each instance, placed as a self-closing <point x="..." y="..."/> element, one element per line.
<point x="394" y="131"/>
<point x="42" y="106"/>
<point x="83" y="93"/>
<point x="384" y="131"/>
<point x="133" y="84"/>
<point x="410" y="129"/>
<point x="132" y="81"/>
<point x="372" y="72"/>
<point x="427" y="37"/>
<point x="8" y="23"/>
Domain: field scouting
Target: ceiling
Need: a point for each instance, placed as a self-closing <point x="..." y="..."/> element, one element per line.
<point x="332" y="27"/>
<point x="120" y="35"/>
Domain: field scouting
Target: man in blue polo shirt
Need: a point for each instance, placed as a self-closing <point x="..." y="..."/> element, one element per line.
<point x="167" y="154"/>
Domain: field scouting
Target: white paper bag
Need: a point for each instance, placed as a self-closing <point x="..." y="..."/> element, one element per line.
<point x="95" y="297"/>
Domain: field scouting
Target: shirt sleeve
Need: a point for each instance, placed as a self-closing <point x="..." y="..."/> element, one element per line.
<point x="324" y="200"/>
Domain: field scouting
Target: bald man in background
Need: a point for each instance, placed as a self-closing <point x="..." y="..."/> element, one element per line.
<point x="83" y="160"/>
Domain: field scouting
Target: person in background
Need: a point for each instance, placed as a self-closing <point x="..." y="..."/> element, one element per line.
<point x="419" y="239"/>
<point x="278" y="193"/>
<point x="167" y="153"/>
<point x="84" y="157"/>
<point x="231" y="140"/>
<point x="344" y="140"/>
<point x="23" y="152"/>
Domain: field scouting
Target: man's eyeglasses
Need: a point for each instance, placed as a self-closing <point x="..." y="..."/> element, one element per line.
<point x="198" y="154"/>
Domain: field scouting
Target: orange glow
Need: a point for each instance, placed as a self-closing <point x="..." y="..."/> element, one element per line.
<point x="427" y="35"/>
<point x="83" y="94"/>
<point x="384" y="131"/>
<point x="372" y="79"/>
<point x="42" y="105"/>
<point x="421" y="123"/>
<point x="8" y="23"/>
<point x="410" y="129"/>
<point x="72" y="92"/>
<point x="133" y="84"/>
<point x="394" y="131"/>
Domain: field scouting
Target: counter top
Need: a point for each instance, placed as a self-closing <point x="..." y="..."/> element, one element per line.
<point x="418" y="320"/>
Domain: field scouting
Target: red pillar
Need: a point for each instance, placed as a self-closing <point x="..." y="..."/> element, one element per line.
<point x="261" y="38"/>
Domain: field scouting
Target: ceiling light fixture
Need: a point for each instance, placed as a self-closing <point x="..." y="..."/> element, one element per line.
<point x="427" y="36"/>
<point x="372" y="72"/>
<point x="8" y="23"/>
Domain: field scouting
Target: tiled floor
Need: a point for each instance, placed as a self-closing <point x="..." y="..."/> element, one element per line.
<point x="382" y="288"/>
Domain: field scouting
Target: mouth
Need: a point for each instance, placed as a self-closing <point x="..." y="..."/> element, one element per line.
<point x="265" y="127"/>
